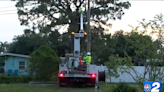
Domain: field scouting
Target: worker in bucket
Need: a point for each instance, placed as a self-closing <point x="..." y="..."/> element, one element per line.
<point x="88" y="58"/>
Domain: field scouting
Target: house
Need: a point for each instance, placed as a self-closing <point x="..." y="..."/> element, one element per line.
<point x="14" y="64"/>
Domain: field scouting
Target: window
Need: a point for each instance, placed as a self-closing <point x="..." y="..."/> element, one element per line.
<point x="21" y="65"/>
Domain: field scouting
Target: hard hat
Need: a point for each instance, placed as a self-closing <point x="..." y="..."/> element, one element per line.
<point x="88" y="53"/>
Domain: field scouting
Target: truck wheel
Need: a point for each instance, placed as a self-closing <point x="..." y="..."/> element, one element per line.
<point x="90" y="82"/>
<point x="62" y="82"/>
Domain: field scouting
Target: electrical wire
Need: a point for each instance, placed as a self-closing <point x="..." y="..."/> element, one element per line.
<point x="8" y="10"/>
<point x="7" y="13"/>
<point x="6" y="7"/>
<point x="11" y="10"/>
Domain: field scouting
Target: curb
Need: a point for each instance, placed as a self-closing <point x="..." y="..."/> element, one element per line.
<point x="43" y="82"/>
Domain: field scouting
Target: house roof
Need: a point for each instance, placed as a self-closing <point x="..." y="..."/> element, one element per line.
<point x="16" y="55"/>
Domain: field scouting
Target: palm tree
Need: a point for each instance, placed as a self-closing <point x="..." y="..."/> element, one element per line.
<point x="3" y="46"/>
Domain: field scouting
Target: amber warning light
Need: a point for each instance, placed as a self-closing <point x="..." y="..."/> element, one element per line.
<point x="72" y="32"/>
<point x="85" y="33"/>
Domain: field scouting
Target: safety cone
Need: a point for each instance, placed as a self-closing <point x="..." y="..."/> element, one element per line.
<point x="80" y="62"/>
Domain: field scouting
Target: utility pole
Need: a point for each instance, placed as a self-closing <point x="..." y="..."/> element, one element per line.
<point x="88" y="29"/>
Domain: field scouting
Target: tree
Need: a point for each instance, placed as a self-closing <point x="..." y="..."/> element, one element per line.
<point x="112" y="66"/>
<point x="50" y="15"/>
<point x="3" y="46"/>
<point x="145" y="52"/>
<point x="30" y="41"/>
<point x="30" y="11"/>
<point x="60" y="43"/>
<point x="157" y="26"/>
<point x="121" y="42"/>
<point x="102" y="45"/>
<point x="43" y="63"/>
<point x="26" y="44"/>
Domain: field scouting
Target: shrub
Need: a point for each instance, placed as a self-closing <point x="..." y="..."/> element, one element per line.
<point x="43" y="63"/>
<point x="15" y="79"/>
<point x="124" y="87"/>
<point x="27" y="79"/>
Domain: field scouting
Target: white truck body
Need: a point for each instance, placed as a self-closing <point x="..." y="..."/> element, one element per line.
<point x="91" y="69"/>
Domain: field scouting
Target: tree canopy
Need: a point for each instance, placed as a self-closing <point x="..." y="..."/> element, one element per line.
<point x="25" y="44"/>
<point x="144" y="51"/>
<point x="29" y="42"/>
<point x="46" y="15"/>
<point x="49" y="16"/>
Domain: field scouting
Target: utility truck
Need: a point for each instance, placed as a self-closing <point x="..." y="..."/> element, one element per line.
<point x="72" y="68"/>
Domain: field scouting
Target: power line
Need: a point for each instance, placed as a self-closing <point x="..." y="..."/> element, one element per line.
<point x="14" y="6"/>
<point x="8" y="10"/>
<point x="7" y="13"/>
<point x="29" y="6"/>
<point x="11" y="10"/>
<point x="7" y="7"/>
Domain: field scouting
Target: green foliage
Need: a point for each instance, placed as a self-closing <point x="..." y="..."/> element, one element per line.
<point x="143" y="50"/>
<point x="61" y="44"/>
<point x="112" y="66"/>
<point x="124" y="87"/>
<point x="30" y="43"/>
<point x="121" y="43"/>
<point x="116" y="62"/>
<point x="15" y="79"/>
<point x="102" y="45"/>
<point x="48" y="9"/>
<point x="43" y="63"/>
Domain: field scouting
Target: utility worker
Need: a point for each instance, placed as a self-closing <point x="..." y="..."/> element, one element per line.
<point x="88" y="58"/>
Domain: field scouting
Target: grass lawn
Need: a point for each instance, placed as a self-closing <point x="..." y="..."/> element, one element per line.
<point x="50" y="88"/>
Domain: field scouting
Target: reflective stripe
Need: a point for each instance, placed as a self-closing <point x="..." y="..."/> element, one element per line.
<point x="87" y="62"/>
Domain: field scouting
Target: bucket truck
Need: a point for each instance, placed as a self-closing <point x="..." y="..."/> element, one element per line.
<point x="72" y="68"/>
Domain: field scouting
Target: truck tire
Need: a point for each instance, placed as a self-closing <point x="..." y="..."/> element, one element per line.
<point x="90" y="82"/>
<point x="101" y="76"/>
<point x="62" y="82"/>
<point x="61" y="85"/>
<point x="90" y="85"/>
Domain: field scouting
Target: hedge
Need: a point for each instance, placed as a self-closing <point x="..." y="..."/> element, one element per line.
<point x="16" y="79"/>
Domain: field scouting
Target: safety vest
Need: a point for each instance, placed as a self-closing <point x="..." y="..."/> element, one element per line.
<point x="87" y="60"/>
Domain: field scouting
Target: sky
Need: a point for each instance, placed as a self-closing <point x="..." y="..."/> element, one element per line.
<point x="10" y="25"/>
